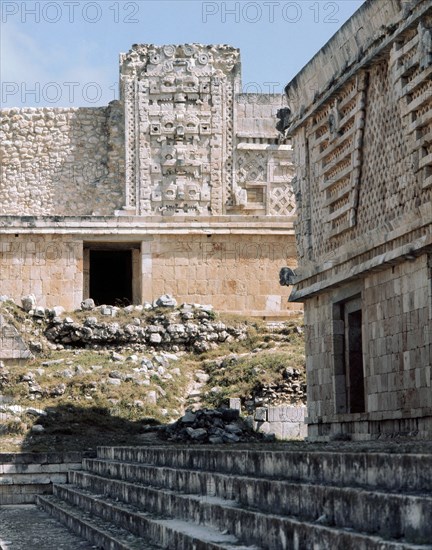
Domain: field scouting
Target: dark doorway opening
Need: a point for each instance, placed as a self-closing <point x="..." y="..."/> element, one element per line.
<point x="349" y="377"/>
<point x="111" y="277"/>
<point x="356" y="394"/>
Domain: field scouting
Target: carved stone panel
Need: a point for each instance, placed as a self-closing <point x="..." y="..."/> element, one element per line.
<point x="263" y="179"/>
<point x="179" y="127"/>
<point x="336" y="137"/>
<point x="411" y="63"/>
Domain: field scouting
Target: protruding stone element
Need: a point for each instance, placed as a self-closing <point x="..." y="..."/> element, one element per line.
<point x="88" y="304"/>
<point x="235" y="403"/>
<point x="286" y="276"/>
<point x="283" y="116"/>
<point x="28" y="302"/>
<point x="57" y="311"/>
<point x="12" y="345"/>
<point x="39" y="312"/>
<point x="151" y="397"/>
<point x="166" y="301"/>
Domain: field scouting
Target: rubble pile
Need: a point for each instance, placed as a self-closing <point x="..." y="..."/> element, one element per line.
<point x="215" y="426"/>
<point x="161" y="325"/>
<point x="291" y="390"/>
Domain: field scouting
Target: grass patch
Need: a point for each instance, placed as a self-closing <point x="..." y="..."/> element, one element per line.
<point x="246" y="377"/>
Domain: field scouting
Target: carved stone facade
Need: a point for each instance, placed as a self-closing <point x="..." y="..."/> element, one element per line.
<point x="184" y="173"/>
<point x="361" y="123"/>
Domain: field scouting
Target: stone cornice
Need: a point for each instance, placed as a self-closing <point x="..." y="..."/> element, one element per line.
<point x="136" y="226"/>
<point x="330" y="278"/>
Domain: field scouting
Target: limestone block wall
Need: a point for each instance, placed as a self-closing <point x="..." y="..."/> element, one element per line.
<point x="397" y="332"/>
<point x="48" y="266"/>
<point x="256" y="114"/>
<point x="319" y="365"/>
<point x="284" y="421"/>
<point x="399" y="338"/>
<point x="235" y="273"/>
<point x="61" y="161"/>
<point x="25" y="475"/>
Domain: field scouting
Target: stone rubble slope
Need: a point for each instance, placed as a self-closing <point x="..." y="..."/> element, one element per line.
<point x="161" y="325"/>
<point x="141" y="361"/>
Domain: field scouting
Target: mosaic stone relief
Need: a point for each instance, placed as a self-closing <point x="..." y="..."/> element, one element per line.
<point x="411" y="64"/>
<point x="179" y="114"/>
<point x="181" y="144"/>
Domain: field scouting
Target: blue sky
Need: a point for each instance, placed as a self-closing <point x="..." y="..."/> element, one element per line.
<point x="65" y="52"/>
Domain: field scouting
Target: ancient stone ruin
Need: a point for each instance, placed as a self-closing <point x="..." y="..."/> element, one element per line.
<point x="182" y="187"/>
<point x="361" y="123"/>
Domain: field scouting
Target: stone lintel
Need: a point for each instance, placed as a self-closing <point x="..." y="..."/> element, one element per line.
<point x="136" y="226"/>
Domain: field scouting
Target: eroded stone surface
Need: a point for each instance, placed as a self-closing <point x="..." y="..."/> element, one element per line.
<point x="361" y="124"/>
<point x="26" y="526"/>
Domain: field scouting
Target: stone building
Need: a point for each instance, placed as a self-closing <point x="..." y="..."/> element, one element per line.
<point x="361" y="123"/>
<point x="182" y="187"/>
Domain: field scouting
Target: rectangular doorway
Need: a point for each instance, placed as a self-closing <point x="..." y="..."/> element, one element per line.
<point x="349" y="378"/>
<point x="354" y="359"/>
<point x="112" y="274"/>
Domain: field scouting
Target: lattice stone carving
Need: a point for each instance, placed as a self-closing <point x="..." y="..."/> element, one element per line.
<point x="252" y="167"/>
<point x="411" y="62"/>
<point x="179" y="127"/>
<point x="282" y="200"/>
<point x="336" y="137"/>
<point x="263" y="175"/>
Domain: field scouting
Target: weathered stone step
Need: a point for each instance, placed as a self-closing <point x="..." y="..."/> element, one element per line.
<point x="267" y="531"/>
<point x="163" y="530"/>
<point x="94" y="529"/>
<point x="385" y="514"/>
<point x="384" y="471"/>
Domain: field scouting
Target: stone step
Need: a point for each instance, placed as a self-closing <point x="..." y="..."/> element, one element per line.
<point x="163" y="530"/>
<point x="263" y="530"/>
<point x="382" y="471"/>
<point x="94" y="529"/>
<point x="382" y="513"/>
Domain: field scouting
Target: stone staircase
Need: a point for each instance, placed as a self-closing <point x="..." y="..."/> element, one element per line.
<point x="218" y="499"/>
